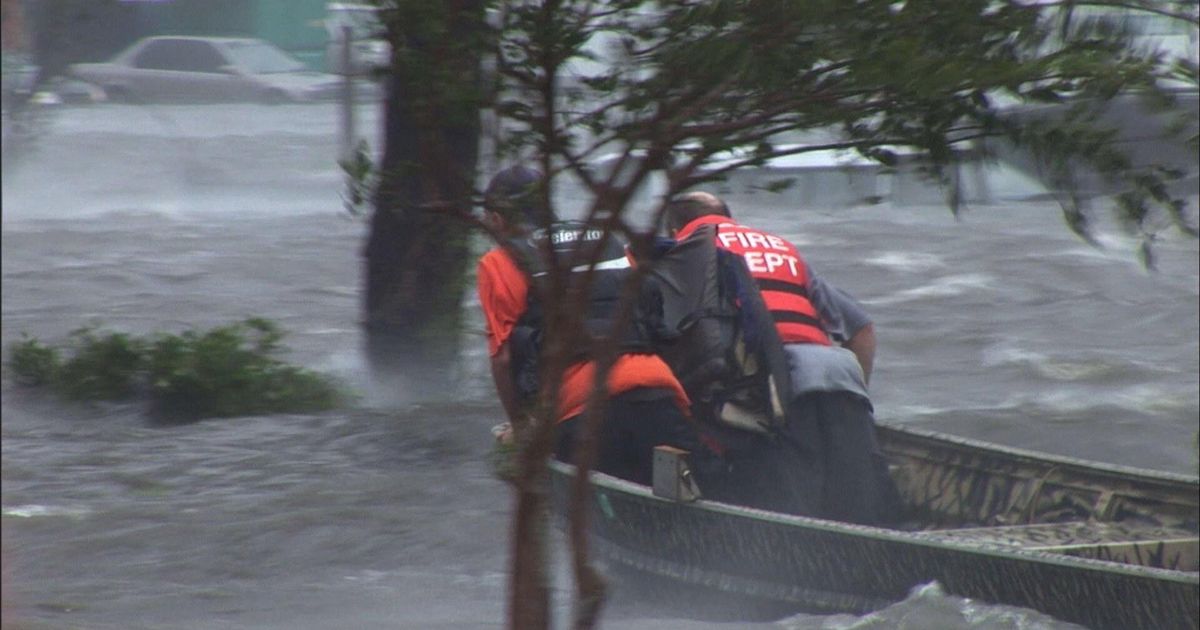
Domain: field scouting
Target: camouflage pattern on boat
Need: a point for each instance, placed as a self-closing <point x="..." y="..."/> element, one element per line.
<point x="1098" y="545"/>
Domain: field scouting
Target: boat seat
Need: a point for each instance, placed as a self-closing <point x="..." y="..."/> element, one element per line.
<point x="1143" y="545"/>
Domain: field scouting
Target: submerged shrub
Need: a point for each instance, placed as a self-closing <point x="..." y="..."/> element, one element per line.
<point x="33" y="363"/>
<point x="102" y="368"/>
<point x="228" y="371"/>
<point x="222" y="372"/>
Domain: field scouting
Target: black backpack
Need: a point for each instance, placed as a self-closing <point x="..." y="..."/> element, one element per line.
<point x="568" y="238"/>
<point x="724" y="347"/>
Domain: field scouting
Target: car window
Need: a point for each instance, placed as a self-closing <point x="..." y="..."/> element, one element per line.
<point x="180" y="55"/>
<point x="260" y="57"/>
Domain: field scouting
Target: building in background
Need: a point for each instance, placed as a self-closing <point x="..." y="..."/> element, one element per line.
<point x="296" y="26"/>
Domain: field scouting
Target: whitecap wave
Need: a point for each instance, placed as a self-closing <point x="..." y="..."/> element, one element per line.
<point x="945" y="286"/>
<point x="1112" y="249"/>
<point x="1075" y="401"/>
<point x="906" y="261"/>
<point x="329" y="331"/>
<point x="1051" y="368"/>
<point x="165" y="212"/>
<point x="1006" y="354"/>
<point x="930" y="606"/>
<point x="1069" y="370"/>
<point x="336" y="291"/>
<point x="902" y="412"/>
<point x="38" y="511"/>
<point x="1073" y="371"/>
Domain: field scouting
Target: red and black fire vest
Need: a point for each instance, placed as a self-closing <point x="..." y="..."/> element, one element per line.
<point x="782" y="278"/>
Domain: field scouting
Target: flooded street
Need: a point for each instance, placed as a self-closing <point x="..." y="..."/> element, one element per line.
<point x="1001" y="326"/>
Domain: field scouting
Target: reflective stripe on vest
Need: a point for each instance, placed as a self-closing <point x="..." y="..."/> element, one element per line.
<point x="782" y="276"/>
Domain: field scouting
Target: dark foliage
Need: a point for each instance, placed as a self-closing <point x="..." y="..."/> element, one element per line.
<point x="226" y="371"/>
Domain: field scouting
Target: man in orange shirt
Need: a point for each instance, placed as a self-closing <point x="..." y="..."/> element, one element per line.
<point x="646" y="406"/>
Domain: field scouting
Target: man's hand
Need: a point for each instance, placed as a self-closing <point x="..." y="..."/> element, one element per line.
<point x="503" y="433"/>
<point x="504" y="453"/>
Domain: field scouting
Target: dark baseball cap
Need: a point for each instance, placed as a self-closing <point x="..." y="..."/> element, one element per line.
<point x="513" y="193"/>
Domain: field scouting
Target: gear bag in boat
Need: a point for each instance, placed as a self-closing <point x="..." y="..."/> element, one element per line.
<point x="724" y="348"/>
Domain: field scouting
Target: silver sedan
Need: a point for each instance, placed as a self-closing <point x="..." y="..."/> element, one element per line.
<point x="207" y="69"/>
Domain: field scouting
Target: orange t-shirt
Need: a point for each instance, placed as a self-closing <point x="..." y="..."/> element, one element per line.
<point x="503" y="290"/>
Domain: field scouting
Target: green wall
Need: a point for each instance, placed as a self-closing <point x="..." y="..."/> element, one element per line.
<point x="297" y="26"/>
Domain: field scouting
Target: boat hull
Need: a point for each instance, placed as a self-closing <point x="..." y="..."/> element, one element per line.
<point x="761" y="563"/>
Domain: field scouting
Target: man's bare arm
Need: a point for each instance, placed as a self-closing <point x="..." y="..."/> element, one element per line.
<point x="862" y="344"/>
<point x="502" y="377"/>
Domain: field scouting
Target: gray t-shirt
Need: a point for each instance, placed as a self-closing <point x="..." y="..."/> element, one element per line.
<point x="841" y="314"/>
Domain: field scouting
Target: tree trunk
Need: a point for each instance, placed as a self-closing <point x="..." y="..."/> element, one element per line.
<point x="417" y="253"/>
<point x="529" y="580"/>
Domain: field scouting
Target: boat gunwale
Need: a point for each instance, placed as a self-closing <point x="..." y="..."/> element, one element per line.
<point x="1024" y="455"/>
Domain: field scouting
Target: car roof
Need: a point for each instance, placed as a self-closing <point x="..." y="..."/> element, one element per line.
<point x="205" y="38"/>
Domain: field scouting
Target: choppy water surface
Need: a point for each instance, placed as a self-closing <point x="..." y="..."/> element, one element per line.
<point x="1000" y="326"/>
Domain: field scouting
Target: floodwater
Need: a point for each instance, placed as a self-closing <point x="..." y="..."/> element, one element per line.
<point x="1000" y="325"/>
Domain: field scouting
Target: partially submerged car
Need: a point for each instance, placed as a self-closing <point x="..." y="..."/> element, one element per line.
<point x="207" y="69"/>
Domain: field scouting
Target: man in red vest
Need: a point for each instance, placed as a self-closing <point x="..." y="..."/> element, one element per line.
<point x="829" y="341"/>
